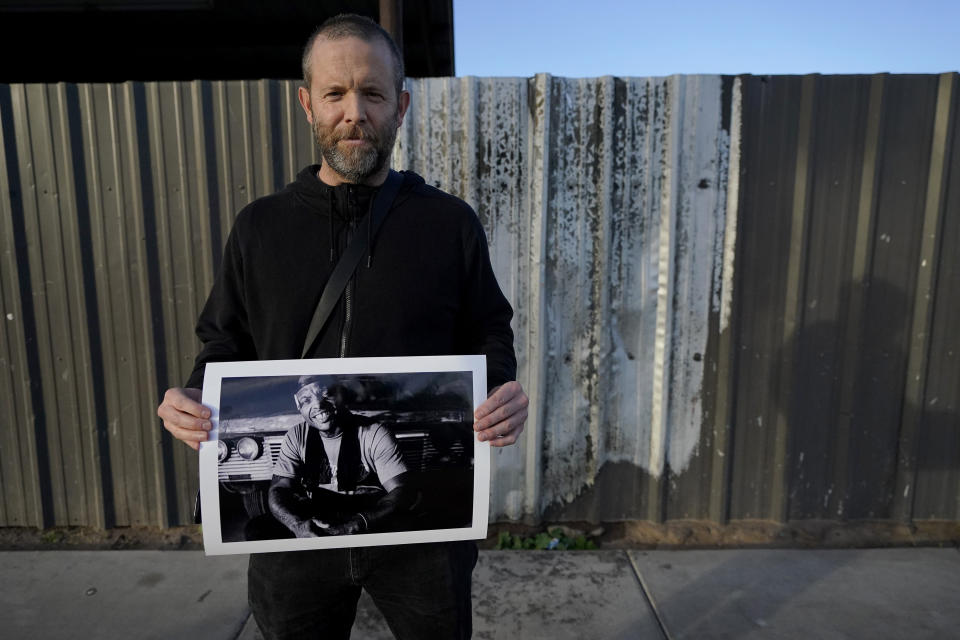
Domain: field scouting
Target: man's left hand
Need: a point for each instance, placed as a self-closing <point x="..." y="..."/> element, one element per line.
<point x="501" y="417"/>
<point x="345" y="528"/>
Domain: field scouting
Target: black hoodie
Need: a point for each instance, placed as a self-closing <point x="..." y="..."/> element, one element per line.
<point x="426" y="289"/>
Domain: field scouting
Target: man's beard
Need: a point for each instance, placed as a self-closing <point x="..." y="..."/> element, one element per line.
<point x="358" y="163"/>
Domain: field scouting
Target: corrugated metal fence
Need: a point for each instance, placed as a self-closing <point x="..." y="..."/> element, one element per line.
<point x="733" y="295"/>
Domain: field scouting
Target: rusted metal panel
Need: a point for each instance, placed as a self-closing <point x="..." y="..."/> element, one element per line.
<point x="492" y="134"/>
<point x="603" y="200"/>
<point x="733" y="295"/>
<point x="699" y="490"/>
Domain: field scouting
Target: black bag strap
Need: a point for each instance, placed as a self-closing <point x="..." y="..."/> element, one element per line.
<point x="350" y="259"/>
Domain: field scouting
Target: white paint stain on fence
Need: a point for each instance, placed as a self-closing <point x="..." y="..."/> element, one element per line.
<point x="604" y="201"/>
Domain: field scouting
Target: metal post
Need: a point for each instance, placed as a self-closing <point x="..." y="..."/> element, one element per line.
<point x="391" y="19"/>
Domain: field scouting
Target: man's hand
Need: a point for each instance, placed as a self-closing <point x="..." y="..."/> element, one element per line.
<point x="501" y="417"/>
<point x="346" y="528"/>
<point x="305" y="529"/>
<point x="184" y="417"/>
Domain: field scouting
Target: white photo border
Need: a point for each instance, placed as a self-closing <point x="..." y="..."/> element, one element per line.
<point x="209" y="484"/>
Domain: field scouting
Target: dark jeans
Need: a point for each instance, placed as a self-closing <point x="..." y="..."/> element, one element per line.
<point x="422" y="590"/>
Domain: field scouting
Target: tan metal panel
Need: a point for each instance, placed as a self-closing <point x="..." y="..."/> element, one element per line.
<point x="299" y="147"/>
<point x="228" y="206"/>
<point x="182" y="246"/>
<point x="76" y="370"/>
<point x="116" y="136"/>
<point x="20" y="481"/>
<point x="98" y="101"/>
<point x="42" y="182"/>
<point x="54" y="502"/>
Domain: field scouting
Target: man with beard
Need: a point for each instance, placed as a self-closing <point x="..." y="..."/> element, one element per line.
<point x="337" y="473"/>
<point x="425" y="288"/>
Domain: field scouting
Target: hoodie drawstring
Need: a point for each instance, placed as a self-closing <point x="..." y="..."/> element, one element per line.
<point x="330" y="221"/>
<point x="370" y="233"/>
<point x="330" y="206"/>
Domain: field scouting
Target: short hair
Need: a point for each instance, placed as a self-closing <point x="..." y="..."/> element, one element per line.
<point x="304" y="381"/>
<point x="351" y="25"/>
<point x="337" y="392"/>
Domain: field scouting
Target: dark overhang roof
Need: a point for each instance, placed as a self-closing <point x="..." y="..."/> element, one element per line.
<point x="118" y="40"/>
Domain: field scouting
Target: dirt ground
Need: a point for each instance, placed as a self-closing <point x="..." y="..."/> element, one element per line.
<point x="677" y="534"/>
<point x="741" y="534"/>
<point x="59" y="538"/>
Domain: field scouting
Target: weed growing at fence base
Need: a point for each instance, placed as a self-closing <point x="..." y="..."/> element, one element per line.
<point x="550" y="540"/>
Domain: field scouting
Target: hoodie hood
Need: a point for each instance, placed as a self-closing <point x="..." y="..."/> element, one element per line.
<point x="345" y="201"/>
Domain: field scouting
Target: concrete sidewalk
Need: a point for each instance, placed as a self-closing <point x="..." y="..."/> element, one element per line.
<point x="877" y="593"/>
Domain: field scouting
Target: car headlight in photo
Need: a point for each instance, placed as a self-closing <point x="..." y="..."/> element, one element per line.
<point x="249" y="448"/>
<point x="223" y="451"/>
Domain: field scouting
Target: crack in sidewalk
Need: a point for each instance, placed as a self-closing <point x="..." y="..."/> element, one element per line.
<point x="247" y="620"/>
<point x="649" y="597"/>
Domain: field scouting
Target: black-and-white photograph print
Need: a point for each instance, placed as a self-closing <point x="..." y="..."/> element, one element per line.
<point x="316" y="459"/>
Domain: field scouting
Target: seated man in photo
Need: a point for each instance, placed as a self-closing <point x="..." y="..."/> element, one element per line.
<point x="338" y="473"/>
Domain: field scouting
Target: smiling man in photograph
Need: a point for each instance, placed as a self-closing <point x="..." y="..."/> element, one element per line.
<point x="425" y="287"/>
<point x="337" y="473"/>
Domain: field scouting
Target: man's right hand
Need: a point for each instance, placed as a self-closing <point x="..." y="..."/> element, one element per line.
<point x="306" y="529"/>
<point x="184" y="417"/>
